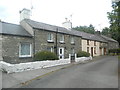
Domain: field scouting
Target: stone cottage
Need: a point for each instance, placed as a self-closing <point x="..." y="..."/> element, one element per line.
<point x="19" y="43"/>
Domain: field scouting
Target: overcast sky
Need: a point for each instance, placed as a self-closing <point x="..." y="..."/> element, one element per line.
<point x="54" y="12"/>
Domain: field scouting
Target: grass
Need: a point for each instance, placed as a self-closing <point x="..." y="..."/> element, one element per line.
<point x="119" y="57"/>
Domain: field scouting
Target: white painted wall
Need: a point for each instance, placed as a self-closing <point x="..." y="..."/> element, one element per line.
<point x="10" y="68"/>
<point x="27" y="27"/>
<point x="84" y="45"/>
<point x="24" y="14"/>
<point x="91" y="44"/>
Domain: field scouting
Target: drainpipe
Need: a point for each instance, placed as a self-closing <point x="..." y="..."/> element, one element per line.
<point x="34" y="43"/>
<point x="56" y="41"/>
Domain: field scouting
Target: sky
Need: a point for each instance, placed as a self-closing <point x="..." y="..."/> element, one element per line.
<point x="54" y="12"/>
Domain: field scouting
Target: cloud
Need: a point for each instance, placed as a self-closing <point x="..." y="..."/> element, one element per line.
<point x="54" y="12"/>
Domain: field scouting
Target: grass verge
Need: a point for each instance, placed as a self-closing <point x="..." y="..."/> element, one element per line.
<point x="119" y="57"/>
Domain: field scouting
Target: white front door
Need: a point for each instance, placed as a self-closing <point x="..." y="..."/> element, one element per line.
<point x="61" y="53"/>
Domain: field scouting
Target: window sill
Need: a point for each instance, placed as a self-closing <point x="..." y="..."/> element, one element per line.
<point x="62" y="42"/>
<point x="72" y="43"/>
<point x="25" y="56"/>
<point x="50" y="41"/>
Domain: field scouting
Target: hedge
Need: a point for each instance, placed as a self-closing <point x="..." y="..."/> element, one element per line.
<point x="114" y="51"/>
<point x="83" y="54"/>
<point x="45" y="55"/>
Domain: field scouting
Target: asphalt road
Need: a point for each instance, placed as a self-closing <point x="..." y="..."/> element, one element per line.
<point x="101" y="73"/>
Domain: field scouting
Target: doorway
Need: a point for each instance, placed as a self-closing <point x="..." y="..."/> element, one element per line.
<point x="61" y="53"/>
<point x="104" y="51"/>
<point x="92" y="51"/>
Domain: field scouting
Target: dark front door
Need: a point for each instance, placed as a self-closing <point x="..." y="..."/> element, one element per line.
<point x="104" y="51"/>
<point x="92" y="51"/>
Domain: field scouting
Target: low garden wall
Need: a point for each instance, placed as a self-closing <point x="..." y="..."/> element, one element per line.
<point x="10" y="68"/>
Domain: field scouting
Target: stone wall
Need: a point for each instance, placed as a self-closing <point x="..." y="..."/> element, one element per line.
<point x="1" y="48"/>
<point x="10" y="46"/>
<point x="113" y="45"/>
<point x="41" y="42"/>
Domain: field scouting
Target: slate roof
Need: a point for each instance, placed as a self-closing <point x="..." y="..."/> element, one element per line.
<point x="108" y="38"/>
<point x="39" y="25"/>
<point x="13" y="29"/>
<point x="48" y="27"/>
<point x="92" y="37"/>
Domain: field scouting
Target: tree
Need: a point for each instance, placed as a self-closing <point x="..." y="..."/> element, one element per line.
<point x="114" y="20"/>
<point x="106" y="31"/>
<point x="88" y="29"/>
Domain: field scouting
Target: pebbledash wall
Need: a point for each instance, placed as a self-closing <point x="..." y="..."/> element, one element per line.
<point x="10" y="48"/>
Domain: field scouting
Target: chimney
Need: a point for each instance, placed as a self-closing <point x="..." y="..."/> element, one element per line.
<point x="97" y="33"/>
<point x="67" y="24"/>
<point x="24" y="14"/>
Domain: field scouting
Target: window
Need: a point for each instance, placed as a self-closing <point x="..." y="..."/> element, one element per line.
<point x="88" y="49"/>
<point x="72" y="50"/>
<point x="72" y="40"/>
<point x="94" y="50"/>
<point x="51" y="49"/>
<point x="61" y="38"/>
<point x="87" y="42"/>
<point x="50" y="37"/>
<point x="94" y="43"/>
<point x="25" y="50"/>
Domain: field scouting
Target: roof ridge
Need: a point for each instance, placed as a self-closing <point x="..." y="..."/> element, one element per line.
<point x="45" y="23"/>
<point x="111" y="39"/>
<point x="10" y="23"/>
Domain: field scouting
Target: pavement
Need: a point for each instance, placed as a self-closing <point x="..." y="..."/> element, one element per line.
<point x="16" y="80"/>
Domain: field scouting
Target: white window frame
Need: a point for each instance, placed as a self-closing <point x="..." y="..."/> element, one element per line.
<point x="72" y="40"/>
<point x="62" y="38"/>
<point x="25" y="55"/>
<point x="51" y="49"/>
<point x="51" y="37"/>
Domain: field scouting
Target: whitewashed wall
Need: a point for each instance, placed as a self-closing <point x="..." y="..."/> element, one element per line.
<point x="82" y="59"/>
<point x="10" y="68"/>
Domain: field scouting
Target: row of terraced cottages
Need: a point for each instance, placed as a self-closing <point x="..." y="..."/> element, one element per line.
<point x="19" y="43"/>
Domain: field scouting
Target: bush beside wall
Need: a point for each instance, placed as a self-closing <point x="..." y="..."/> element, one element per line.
<point x="45" y="55"/>
<point x="83" y="54"/>
<point x="114" y="51"/>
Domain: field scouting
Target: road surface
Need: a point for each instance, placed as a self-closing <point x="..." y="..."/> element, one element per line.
<point x="100" y="73"/>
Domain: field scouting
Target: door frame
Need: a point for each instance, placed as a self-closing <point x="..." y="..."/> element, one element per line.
<point x="61" y="54"/>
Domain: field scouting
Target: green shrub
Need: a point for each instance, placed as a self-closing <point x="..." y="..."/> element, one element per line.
<point x="114" y="51"/>
<point x="83" y="54"/>
<point x="45" y="55"/>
